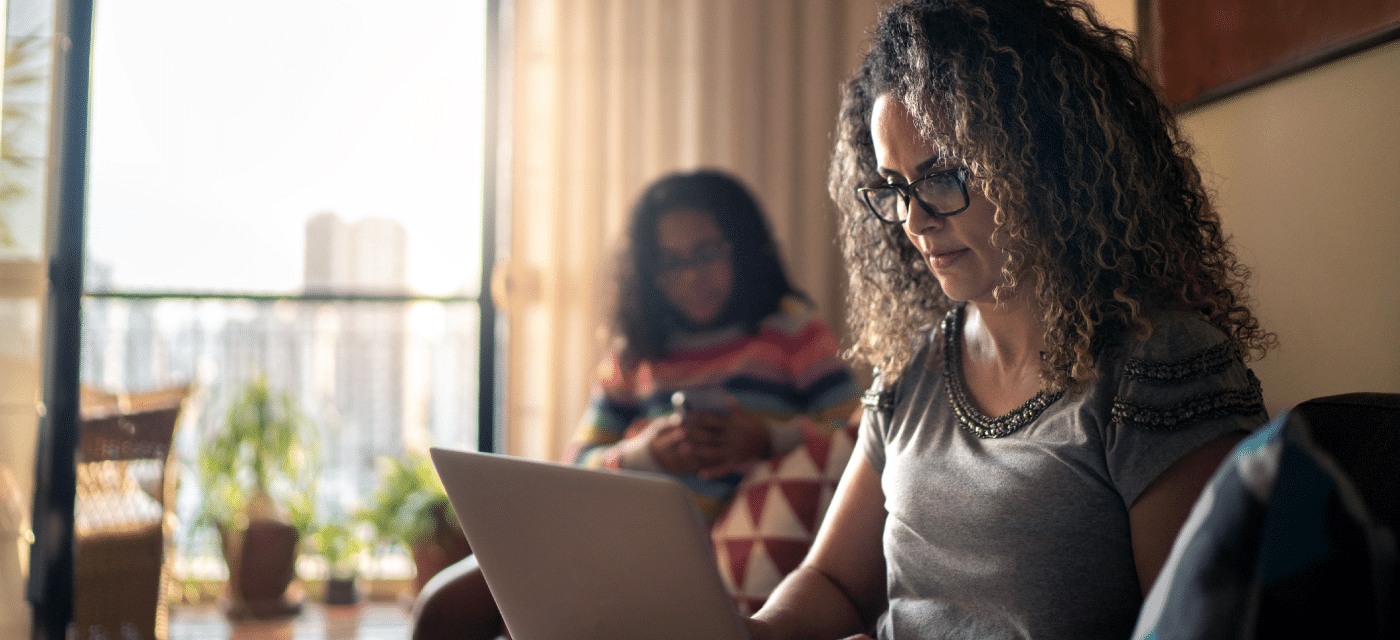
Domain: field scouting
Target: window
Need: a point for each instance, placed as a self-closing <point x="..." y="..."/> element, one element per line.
<point x="291" y="190"/>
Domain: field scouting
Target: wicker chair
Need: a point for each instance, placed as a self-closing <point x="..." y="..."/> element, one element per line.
<point x="123" y="514"/>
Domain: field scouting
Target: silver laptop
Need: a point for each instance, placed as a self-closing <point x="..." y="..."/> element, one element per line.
<point x="578" y="554"/>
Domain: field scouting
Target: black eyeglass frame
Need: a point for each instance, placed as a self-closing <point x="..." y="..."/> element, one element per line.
<point x="706" y="258"/>
<point x="910" y="190"/>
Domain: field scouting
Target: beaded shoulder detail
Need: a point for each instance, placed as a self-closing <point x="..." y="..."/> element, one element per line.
<point x="1208" y="362"/>
<point x="878" y="400"/>
<point x="1207" y="406"/>
<point x="1157" y="406"/>
<point x="969" y="417"/>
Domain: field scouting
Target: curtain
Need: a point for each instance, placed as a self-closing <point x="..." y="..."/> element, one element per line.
<point x="607" y="95"/>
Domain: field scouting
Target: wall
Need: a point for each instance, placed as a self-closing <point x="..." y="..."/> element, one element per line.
<point x="24" y="150"/>
<point x="21" y="290"/>
<point x="1307" y="171"/>
<point x="1120" y="14"/>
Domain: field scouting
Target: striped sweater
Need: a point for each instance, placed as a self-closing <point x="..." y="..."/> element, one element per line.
<point x="789" y="373"/>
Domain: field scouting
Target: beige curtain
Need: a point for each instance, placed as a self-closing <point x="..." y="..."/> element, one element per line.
<point x="609" y="94"/>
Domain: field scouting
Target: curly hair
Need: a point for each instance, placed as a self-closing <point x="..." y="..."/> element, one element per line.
<point x="1100" y="208"/>
<point x="642" y="316"/>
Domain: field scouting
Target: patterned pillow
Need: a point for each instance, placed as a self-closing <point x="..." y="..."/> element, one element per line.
<point x="766" y="530"/>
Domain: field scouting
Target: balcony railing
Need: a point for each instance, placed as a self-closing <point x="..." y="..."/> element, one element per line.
<point x="379" y="375"/>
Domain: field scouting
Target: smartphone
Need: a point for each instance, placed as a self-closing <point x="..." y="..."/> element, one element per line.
<point x="711" y="399"/>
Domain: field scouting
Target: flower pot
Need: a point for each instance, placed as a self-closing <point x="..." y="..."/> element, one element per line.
<point x="341" y="591"/>
<point x="261" y="565"/>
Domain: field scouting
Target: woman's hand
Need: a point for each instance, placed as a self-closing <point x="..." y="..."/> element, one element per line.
<point x="760" y="630"/>
<point x="725" y="442"/>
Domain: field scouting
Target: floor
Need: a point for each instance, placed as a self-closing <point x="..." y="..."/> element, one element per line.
<point x="368" y="621"/>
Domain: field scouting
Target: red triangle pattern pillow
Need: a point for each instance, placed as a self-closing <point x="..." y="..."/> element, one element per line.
<point x="766" y="530"/>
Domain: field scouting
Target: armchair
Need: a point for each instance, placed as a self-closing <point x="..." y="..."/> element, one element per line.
<point x="123" y="514"/>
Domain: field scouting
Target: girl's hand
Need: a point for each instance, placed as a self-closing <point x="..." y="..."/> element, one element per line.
<point x="726" y="442"/>
<point x="668" y="443"/>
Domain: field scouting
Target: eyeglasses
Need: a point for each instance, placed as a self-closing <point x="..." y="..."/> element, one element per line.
<point x="941" y="194"/>
<point x="670" y="268"/>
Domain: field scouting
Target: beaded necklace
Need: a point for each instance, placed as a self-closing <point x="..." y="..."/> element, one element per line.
<point x="969" y="417"/>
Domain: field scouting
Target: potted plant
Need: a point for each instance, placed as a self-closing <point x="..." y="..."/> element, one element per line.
<point x="341" y="549"/>
<point x="257" y="475"/>
<point x="410" y="508"/>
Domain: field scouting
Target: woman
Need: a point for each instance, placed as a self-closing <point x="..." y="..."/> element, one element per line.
<point x="716" y="363"/>
<point x="1037" y="271"/>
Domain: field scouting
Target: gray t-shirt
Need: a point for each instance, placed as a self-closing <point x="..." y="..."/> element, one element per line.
<point x="1026" y="535"/>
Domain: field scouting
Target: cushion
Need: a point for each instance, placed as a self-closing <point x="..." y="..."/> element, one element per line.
<point x="766" y="529"/>
<point x="1280" y="544"/>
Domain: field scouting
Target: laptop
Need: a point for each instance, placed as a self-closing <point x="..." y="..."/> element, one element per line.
<point x="580" y="554"/>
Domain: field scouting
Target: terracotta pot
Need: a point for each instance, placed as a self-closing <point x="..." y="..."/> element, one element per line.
<point x="261" y="564"/>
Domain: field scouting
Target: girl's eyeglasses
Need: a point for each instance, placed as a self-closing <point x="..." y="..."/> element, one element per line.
<point x="670" y="268"/>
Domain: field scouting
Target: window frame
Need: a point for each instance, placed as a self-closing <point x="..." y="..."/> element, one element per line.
<point x="50" y="583"/>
